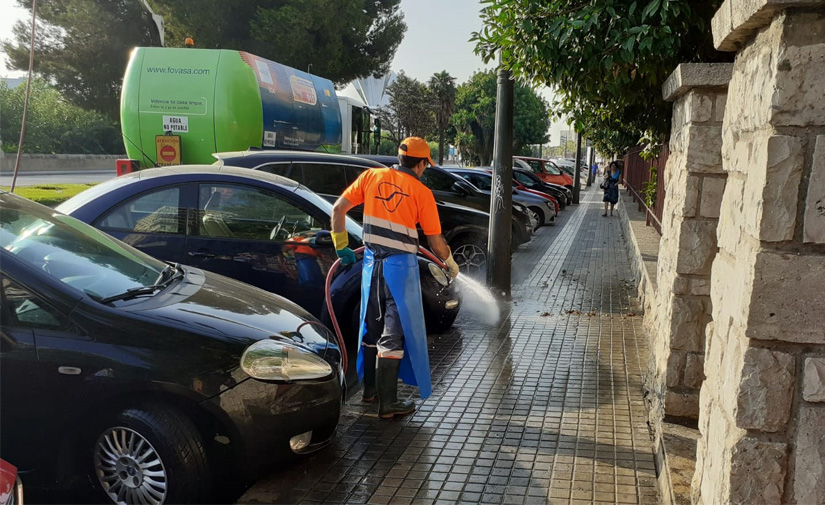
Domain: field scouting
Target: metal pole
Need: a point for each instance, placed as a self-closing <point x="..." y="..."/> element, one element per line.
<point x="26" y="100"/>
<point x="501" y="199"/>
<point x="577" y="178"/>
<point x="591" y="160"/>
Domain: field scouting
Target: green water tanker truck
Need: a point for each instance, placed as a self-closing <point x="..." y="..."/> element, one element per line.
<point x="209" y="100"/>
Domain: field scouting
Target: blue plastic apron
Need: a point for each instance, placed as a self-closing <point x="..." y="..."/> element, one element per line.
<point x="402" y="278"/>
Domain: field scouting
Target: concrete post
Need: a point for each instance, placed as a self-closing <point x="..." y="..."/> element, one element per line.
<point x="762" y="416"/>
<point x="695" y="182"/>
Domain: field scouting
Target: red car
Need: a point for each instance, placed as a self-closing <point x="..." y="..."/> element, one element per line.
<point x="11" y="489"/>
<point x="521" y="187"/>
<point x="545" y="169"/>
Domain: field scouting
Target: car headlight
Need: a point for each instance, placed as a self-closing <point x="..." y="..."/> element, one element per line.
<point x="549" y="204"/>
<point x="273" y="360"/>
<point x="520" y="207"/>
<point x="439" y="274"/>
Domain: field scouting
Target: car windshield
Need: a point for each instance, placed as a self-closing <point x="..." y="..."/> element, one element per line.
<point x="551" y="168"/>
<point x="528" y="179"/>
<point x="73" y="252"/>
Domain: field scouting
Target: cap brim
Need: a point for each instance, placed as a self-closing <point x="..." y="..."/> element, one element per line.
<point x="429" y="157"/>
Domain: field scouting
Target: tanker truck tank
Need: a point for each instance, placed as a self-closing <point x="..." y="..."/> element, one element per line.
<point x="222" y="100"/>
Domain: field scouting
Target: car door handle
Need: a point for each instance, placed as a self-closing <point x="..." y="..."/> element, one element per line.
<point x="201" y="254"/>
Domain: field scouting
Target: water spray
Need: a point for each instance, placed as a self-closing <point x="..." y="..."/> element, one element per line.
<point x="484" y="303"/>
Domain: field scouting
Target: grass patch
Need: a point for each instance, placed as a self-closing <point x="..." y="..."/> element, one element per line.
<point x="49" y="194"/>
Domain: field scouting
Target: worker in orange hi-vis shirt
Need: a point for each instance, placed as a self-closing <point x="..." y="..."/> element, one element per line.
<point x="392" y="336"/>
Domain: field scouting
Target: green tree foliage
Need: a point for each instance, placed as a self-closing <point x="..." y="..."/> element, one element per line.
<point x="411" y="110"/>
<point x="475" y="114"/>
<point x="53" y="125"/>
<point x="341" y="39"/>
<point x="388" y="147"/>
<point x="442" y="86"/>
<point x="82" y="46"/>
<point x="607" y="59"/>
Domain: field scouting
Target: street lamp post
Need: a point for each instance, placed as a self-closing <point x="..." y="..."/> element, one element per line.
<point x="501" y="197"/>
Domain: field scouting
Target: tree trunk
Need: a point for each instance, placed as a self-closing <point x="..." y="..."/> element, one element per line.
<point x="441" y="146"/>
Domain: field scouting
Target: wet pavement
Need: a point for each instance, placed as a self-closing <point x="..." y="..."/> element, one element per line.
<point x="546" y="407"/>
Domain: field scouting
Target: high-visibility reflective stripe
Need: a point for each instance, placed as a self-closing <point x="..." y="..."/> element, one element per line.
<point x="377" y="230"/>
<point x="389" y="225"/>
<point x="370" y="238"/>
<point x="390" y="354"/>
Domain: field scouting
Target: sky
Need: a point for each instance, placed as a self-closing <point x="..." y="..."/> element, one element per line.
<point x="437" y="38"/>
<point x="9" y="14"/>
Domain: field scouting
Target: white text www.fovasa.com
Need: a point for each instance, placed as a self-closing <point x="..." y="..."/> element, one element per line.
<point x="174" y="70"/>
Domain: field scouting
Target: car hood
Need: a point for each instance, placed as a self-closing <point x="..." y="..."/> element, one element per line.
<point x="232" y="311"/>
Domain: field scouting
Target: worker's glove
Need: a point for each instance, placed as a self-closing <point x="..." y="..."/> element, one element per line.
<point x="341" y="241"/>
<point x="347" y="256"/>
<point x="452" y="266"/>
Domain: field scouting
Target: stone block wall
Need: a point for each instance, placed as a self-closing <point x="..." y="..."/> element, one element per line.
<point x="762" y="405"/>
<point x="696" y="182"/>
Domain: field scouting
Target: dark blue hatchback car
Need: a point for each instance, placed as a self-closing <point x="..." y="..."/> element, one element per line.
<point x="255" y="227"/>
<point x="129" y="380"/>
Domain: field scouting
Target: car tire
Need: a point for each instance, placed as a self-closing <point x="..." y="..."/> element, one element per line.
<point x="154" y="432"/>
<point x="470" y="252"/>
<point x="539" y="217"/>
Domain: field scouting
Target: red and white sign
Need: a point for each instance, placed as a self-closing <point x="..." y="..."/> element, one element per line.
<point x="168" y="149"/>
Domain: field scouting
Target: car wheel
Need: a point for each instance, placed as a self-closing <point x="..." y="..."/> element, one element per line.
<point x="538" y="215"/>
<point x="150" y="454"/>
<point x="470" y="252"/>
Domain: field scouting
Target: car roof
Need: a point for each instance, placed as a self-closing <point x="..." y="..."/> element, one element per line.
<point x="480" y="170"/>
<point x="271" y="155"/>
<point x="380" y="158"/>
<point x="182" y="170"/>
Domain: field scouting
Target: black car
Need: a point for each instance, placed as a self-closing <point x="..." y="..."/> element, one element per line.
<point x="451" y="188"/>
<point x="464" y="228"/>
<point x="532" y="181"/>
<point x="251" y="226"/>
<point x="149" y="380"/>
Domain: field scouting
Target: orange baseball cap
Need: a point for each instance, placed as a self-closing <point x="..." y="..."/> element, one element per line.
<point x="415" y="147"/>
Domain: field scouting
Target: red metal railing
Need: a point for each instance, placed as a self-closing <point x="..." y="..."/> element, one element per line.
<point x="636" y="175"/>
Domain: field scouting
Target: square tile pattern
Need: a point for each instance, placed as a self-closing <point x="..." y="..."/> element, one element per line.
<point x="545" y="407"/>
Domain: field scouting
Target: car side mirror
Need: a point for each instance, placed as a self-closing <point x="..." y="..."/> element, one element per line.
<point x="323" y="238"/>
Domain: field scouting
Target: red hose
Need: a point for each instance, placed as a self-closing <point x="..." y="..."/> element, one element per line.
<point x="424" y="252"/>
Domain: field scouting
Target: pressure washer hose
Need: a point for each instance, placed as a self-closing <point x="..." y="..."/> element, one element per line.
<point x="331" y="274"/>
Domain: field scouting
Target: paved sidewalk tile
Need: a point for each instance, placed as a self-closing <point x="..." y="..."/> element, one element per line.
<point x="545" y="407"/>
